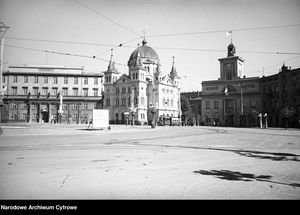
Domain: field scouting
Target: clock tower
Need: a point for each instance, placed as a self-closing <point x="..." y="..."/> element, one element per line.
<point x="231" y="67"/>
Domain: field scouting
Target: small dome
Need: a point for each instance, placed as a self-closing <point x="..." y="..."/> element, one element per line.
<point x="144" y="52"/>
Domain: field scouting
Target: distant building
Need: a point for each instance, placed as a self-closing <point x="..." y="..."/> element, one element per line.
<point x="134" y="96"/>
<point x="33" y="94"/>
<point x="222" y="99"/>
<point x="279" y="91"/>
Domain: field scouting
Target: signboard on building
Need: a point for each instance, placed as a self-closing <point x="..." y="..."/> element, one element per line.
<point x="100" y="118"/>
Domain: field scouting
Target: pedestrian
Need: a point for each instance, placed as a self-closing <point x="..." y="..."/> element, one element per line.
<point x="90" y="122"/>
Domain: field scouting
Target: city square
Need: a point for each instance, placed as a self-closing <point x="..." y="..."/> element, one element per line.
<point x="136" y="162"/>
<point x="148" y="100"/>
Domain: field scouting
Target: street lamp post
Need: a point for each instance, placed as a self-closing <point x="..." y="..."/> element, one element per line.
<point x="132" y="104"/>
<point x="242" y="107"/>
<point x="60" y="111"/>
<point x="3" y="29"/>
<point x="242" y="102"/>
<point x="266" y="119"/>
<point x="260" y="120"/>
<point x="153" y="106"/>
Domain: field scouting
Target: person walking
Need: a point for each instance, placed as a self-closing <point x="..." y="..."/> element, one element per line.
<point x="90" y="121"/>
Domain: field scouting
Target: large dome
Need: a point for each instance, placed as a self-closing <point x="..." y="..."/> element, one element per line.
<point x="145" y="52"/>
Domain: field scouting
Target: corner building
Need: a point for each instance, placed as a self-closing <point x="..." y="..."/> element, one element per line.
<point x="33" y="91"/>
<point x="130" y="98"/>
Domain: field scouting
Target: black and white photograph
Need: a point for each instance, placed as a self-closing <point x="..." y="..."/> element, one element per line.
<point x="148" y="100"/>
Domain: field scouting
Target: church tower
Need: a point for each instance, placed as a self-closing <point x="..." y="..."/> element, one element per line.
<point x="111" y="74"/>
<point x="231" y="67"/>
<point x="173" y="74"/>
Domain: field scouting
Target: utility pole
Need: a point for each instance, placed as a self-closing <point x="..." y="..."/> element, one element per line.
<point x="242" y="102"/>
<point x="242" y="107"/>
<point x="132" y="105"/>
<point x="3" y="29"/>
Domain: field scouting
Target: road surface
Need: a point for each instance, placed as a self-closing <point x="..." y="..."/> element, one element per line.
<point x="70" y="162"/>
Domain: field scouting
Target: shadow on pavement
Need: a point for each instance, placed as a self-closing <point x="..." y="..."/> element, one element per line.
<point x="232" y="176"/>
<point x="238" y="176"/>
<point x="270" y="156"/>
<point x="274" y="156"/>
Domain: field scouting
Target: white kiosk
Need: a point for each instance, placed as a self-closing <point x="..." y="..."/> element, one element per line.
<point x="100" y="119"/>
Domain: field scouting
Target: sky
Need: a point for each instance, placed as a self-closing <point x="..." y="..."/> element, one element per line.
<point x="193" y="31"/>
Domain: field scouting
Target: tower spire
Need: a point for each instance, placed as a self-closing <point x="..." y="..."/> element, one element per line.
<point x="173" y="72"/>
<point x="144" y="42"/>
<point x="111" y="54"/>
<point x="144" y="34"/>
<point x="111" y="66"/>
<point x="111" y="59"/>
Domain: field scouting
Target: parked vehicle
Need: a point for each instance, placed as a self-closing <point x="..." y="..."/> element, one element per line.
<point x="167" y="120"/>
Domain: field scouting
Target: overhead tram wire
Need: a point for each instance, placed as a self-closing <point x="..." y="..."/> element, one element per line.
<point x="58" y="41"/>
<point x="103" y="16"/>
<point x="161" y="35"/>
<point x="162" y="48"/>
<point x="118" y="46"/>
<point x="271" y="66"/>
<point x="224" y="30"/>
<point x="63" y="53"/>
<point x="123" y="45"/>
<point x="78" y="43"/>
<point x="221" y="50"/>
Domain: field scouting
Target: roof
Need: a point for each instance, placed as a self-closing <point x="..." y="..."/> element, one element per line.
<point x="45" y="67"/>
<point x="144" y="52"/>
<point x="50" y="70"/>
<point x="232" y="57"/>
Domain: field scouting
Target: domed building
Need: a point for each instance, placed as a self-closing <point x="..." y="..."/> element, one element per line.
<point x="145" y="93"/>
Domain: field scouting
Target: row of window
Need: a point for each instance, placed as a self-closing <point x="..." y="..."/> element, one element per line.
<point x="54" y="91"/>
<point x="216" y="104"/>
<point x="55" y="79"/>
<point x="229" y="104"/>
<point x="167" y="91"/>
<point x="35" y="116"/>
<point x="44" y="106"/>
<point x="167" y="102"/>
<point x="122" y="102"/>
<point x="108" y="79"/>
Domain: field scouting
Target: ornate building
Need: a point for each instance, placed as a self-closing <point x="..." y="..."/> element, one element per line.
<point x="233" y="99"/>
<point x="133" y="96"/>
<point x="33" y="94"/>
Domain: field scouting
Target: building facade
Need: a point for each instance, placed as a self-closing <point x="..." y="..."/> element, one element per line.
<point x="279" y="91"/>
<point x="145" y="92"/>
<point x="33" y="94"/>
<point x="233" y="99"/>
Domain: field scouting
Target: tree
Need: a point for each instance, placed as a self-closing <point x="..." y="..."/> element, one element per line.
<point x="287" y="112"/>
<point x="186" y="109"/>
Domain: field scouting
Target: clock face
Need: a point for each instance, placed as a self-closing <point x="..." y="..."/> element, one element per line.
<point x="228" y="66"/>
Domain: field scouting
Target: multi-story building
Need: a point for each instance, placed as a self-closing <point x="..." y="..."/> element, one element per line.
<point x="233" y="99"/>
<point x="33" y="94"/>
<point x="135" y="95"/>
<point x="282" y="90"/>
